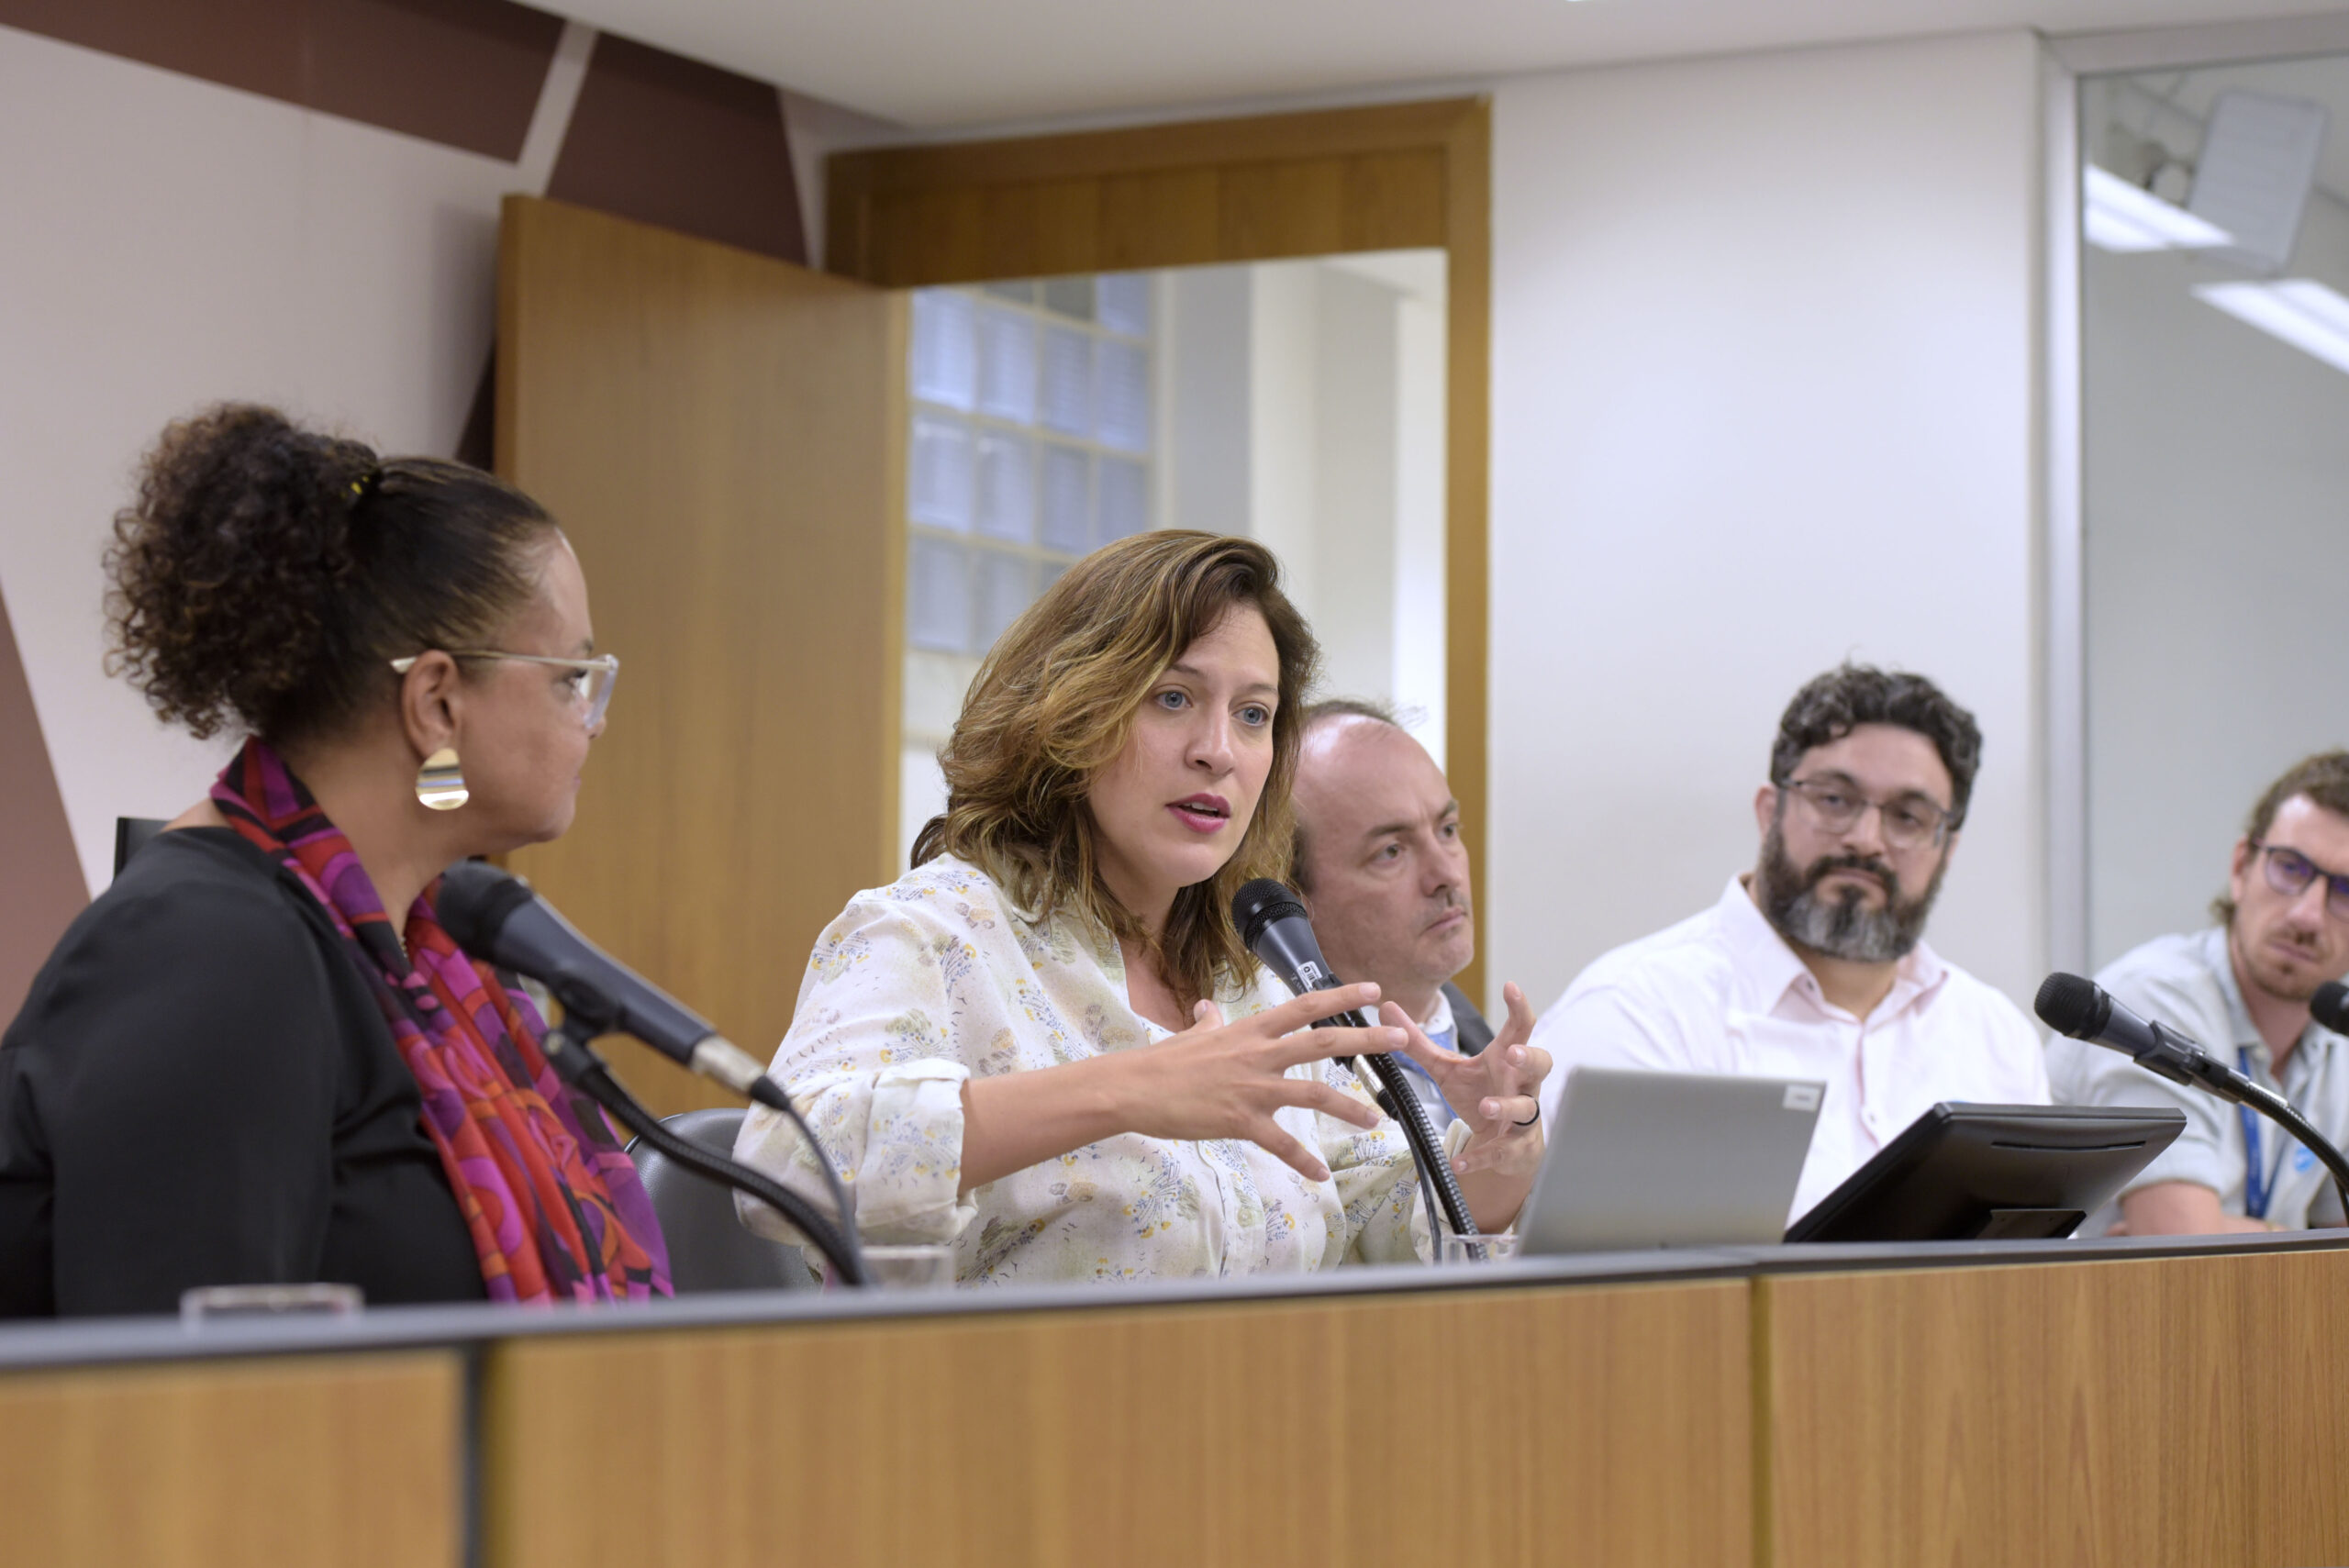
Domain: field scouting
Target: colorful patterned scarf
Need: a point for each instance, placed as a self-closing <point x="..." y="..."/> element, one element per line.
<point x="554" y="1206"/>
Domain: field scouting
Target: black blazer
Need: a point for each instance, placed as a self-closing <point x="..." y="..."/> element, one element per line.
<point x="202" y="1090"/>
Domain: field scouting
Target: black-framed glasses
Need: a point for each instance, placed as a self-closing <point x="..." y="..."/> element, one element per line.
<point x="1910" y="821"/>
<point x="2289" y="873"/>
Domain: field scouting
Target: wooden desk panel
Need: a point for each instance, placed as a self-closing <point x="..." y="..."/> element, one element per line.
<point x="2295" y="1315"/>
<point x="2187" y="1410"/>
<point x="1298" y="1433"/>
<point x="351" y="1461"/>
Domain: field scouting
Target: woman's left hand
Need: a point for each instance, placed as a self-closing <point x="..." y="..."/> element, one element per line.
<point x="1495" y="1091"/>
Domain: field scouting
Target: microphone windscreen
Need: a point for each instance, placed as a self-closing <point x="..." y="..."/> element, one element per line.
<point x="476" y="899"/>
<point x="2330" y="1007"/>
<point x="2069" y="1004"/>
<point x="1259" y="904"/>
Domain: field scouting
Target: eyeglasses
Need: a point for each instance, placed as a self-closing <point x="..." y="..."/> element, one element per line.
<point x="2290" y="871"/>
<point x="591" y="681"/>
<point x="1910" y="821"/>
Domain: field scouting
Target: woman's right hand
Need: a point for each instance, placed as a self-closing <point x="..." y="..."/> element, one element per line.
<point x="1226" y="1080"/>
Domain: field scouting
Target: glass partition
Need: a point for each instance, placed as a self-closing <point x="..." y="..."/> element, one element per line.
<point x="1299" y="403"/>
<point x="2215" y="379"/>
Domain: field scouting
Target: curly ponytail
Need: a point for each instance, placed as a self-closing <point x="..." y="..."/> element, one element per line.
<point x="268" y="574"/>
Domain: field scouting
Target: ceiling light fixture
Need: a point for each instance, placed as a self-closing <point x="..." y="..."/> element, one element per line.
<point x="2117" y="216"/>
<point x="2300" y="311"/>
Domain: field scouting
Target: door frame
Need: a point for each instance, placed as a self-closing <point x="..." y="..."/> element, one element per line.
<point x="2067" y="61"/>
<point x="1202" y="192"/>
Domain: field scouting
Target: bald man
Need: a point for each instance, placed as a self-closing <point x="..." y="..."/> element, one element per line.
<point x="1379" y="861"/>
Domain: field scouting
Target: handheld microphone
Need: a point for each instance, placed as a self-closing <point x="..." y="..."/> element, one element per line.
<point x="1276" y="926"/>
<point x="495" y="917"/>
<point x="2085" y="1010"/>
<point x="1273" y="925"/>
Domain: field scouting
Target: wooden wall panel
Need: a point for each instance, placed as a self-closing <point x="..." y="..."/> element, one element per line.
<point x="722" y="435"/>
<point x="2172" y="1410"/>
<point x="1264" y="210"/>
<point x="1180" y="144"/>
<point x="1387" y="177"/>
<point x="355" y="1461"/>
<point x="1349" y="1433"/>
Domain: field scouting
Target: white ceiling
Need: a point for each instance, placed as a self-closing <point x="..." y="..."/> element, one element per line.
<point x="944" y="63"/>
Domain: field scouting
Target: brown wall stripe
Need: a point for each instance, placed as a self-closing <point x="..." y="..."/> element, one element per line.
<point x="462" y="72"/>
<point x="654" y="137"/>
<point x="670" y="141"/>
<point x="42" y="887"/>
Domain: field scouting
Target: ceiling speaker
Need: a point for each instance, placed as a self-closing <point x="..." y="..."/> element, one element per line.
<point x="2258" y="164"/>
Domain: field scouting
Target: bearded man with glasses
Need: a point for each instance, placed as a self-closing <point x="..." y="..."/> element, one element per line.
<point x="1813" y="964"/>
<point x="2241" y="988"/>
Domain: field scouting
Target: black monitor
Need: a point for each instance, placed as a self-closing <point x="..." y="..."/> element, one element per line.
<point x="1966" y="1172"/>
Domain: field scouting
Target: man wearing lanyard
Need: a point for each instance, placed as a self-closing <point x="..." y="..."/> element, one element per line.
<point x="1379" y="862"/>
<point x="2241" y="989"/>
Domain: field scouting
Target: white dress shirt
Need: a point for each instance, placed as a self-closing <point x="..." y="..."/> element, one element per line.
<point x="1723" y="993"/>
<point x="939" y="978"/>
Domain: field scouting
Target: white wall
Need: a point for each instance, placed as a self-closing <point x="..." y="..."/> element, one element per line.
<point x="1762" y="398"/>
<point x="1304" y="407"/>
<point x="1354" y="450"/>
<point x="169" y="244"/>
<point x="2218" y="461"/>
<point x="1284" y="414"/>
<point x="1204" y="358"/>
<point x="1418" y="519"/>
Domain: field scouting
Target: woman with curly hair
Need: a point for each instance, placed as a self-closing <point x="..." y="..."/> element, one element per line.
<point x="257" y="1057"/>
<point x="1046" y="1044"/>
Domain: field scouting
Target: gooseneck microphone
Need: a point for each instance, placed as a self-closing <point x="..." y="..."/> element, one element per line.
<point x="2330" y="1007"/>
<point x="2085" y="1010"/>
<point x="1274" y="926"/>
<point x="496" y="917"/>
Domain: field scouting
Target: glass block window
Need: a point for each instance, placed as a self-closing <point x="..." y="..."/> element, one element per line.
<point x="1031" y="444"/>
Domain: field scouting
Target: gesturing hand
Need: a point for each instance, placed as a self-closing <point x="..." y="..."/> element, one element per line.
<point x="1494" y="1091"/>
<point x="1222" y="1080"/>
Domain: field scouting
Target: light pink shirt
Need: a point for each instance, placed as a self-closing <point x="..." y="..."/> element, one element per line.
<point x="1723" y="993"/>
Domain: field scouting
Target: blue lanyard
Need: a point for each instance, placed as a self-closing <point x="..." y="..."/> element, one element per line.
<point x="2256" y="1189"/>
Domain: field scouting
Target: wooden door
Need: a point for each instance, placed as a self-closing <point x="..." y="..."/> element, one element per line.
<point x="721" y="435"/>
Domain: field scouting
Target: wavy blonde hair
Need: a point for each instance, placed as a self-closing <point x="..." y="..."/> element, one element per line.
<point x="1054" y="704"/>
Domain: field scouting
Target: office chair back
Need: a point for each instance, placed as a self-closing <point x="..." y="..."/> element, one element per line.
<point x="708" y="1248"/>
<point x="130" y="836"/>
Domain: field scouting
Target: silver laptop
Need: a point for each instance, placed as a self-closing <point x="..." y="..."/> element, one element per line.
<point x="1669" y="1160"/>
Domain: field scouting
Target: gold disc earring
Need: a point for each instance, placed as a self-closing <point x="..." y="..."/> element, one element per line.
<point x="440" y="782"/>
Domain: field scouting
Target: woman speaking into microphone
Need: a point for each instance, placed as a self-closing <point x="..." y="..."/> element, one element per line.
<point x="1047" y="1045"/>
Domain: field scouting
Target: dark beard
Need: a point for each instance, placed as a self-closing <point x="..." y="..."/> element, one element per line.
<point x="1844" y="929"/>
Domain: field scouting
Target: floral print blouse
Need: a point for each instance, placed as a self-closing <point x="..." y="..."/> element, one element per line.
<point x="921" y="985"/>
